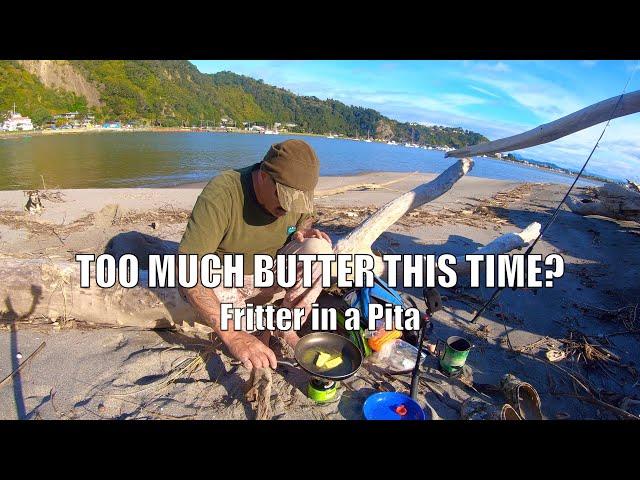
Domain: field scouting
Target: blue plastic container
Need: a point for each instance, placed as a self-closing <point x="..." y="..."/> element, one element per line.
<point x="392" y="406"/>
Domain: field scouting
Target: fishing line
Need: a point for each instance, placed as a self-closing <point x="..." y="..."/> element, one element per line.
<point x="499" y="290"/>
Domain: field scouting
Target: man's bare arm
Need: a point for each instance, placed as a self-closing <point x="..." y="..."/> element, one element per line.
<point x="242" y="346"/>
<point x="206" y="304"/>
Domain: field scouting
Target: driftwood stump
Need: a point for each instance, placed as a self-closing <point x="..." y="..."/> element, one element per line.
<point x="259" y="392"/>
<point x="621" y="202"/>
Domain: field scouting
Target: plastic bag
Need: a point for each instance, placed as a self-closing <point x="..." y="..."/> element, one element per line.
<point x="397" y="355"/>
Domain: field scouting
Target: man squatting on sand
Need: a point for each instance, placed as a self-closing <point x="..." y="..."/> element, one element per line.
<point x="266" y="208"/>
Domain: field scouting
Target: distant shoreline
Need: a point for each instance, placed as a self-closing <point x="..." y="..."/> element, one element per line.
<point x="26" y="134"/>
<point x="38" y="133"/>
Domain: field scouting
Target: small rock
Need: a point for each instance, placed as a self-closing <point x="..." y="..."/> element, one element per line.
<point x="555" y="355"/>
<point x="102" y="408"/>
<point x="358" y="384"/>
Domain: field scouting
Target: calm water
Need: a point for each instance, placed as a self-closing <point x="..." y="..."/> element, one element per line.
<point x="148" y="159"/>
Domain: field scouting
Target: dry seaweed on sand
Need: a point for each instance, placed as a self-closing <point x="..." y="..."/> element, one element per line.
<point x="35" y="226"/>
<point x="478" y="216"/>
<point x="163" y="215"/>
<point x="577" y="347"/>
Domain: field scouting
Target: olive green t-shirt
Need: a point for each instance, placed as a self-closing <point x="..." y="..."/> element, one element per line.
<point x="227" y="218"/>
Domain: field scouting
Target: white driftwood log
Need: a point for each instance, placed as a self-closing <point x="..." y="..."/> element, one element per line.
<point x="502" y="244"/>
<point x="611" y="200"/>
<point x="585" y="118"/>
<point x="36" y="288"/>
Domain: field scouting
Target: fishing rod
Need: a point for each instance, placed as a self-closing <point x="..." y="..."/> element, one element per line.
<point x="499" y="290"/>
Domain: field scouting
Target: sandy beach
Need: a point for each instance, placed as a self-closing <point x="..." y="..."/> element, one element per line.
<point x="90" y="372"/>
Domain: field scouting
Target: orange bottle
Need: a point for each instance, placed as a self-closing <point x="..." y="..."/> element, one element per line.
<point x="381" y="337"/>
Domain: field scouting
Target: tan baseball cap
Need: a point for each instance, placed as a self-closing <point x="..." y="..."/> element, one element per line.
<point x="295" y="168"/>
<point x="293" y="200"/>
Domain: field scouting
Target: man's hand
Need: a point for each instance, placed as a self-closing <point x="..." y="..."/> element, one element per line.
<point x="291" y="338"/>
<point x="300" y="235"/>
<point x="249" y="350"/>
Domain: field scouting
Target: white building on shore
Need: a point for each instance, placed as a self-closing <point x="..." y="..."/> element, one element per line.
<point x="16" y="122"/>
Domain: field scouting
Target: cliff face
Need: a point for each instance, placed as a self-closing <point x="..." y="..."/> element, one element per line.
<point x="61" y="74"/>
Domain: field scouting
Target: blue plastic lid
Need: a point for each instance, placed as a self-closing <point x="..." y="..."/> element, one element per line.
<point x="392" y="406"/>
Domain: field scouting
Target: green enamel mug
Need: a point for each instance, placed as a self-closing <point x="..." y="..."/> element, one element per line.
<point x="454" y="355"/>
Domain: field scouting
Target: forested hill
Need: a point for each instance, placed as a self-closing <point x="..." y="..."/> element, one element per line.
<point x="321" y="116"/>
<point x="176" y="93"/>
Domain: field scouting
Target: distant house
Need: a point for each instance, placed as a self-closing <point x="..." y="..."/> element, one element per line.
<point x="67" y="116"/>
<point x="257" y="128"/>
<point x="15" y="122"/>
<point x="112" y="125"/>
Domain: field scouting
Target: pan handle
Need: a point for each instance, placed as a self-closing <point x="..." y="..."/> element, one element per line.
<point x="286" y="363"/>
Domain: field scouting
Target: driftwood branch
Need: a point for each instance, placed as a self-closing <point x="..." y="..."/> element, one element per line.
<point x="259" y="392"/>
<point x="502" y="244"/>
<point x="362" y="237"/>
<point x="585" y="118"/>
<point x="358" y="186"/>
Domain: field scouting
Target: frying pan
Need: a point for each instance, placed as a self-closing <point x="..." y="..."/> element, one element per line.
<point x="307" y="349"/>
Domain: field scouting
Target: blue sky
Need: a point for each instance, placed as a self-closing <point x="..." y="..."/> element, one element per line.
<point x="495" y="98"/>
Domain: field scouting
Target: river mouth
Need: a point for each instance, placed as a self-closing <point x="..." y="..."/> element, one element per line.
<point x="171" y="159"/>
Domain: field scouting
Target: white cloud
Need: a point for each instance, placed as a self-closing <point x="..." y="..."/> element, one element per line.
<point x="617" y="156"/>
<point x="589" y="63"/>
<point x="460" y="99"/>
<point x="499" y="67"/>
<point x="633" y="67"/>
<point x="482" y="90"/>
<point x="545" y="99"/>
